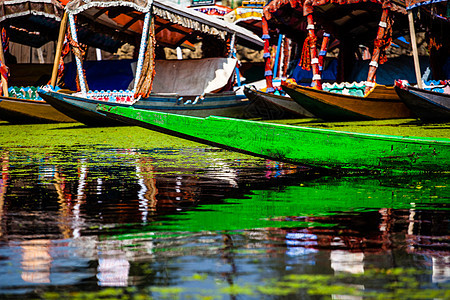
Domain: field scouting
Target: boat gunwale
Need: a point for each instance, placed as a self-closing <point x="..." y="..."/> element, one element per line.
<point x="31" y="101"/>
<point x="413" y="88"/>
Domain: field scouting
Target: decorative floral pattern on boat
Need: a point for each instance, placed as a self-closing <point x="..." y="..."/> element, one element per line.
<point x="21" y="92"/>
<point x="120" y="96"/>
<point x="346" y="88"/>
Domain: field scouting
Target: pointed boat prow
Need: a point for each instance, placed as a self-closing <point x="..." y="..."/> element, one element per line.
<point x="298" y="145"/>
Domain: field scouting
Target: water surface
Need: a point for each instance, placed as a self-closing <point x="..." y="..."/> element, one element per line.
<point x="128" y="213"/>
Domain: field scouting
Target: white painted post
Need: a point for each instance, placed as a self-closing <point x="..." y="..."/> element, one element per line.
<point x="73" y="33"/>
<point x="412" y="33"/>
<point x="142" y="48"/>
<point x="98" y="53"/>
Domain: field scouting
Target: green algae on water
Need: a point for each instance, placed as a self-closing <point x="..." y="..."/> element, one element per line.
<point x="306" y="286"/>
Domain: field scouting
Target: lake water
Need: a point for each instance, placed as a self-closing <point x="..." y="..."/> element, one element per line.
<point x="127" y="213"/>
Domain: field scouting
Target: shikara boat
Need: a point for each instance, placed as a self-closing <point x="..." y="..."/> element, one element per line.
<point x="272" y="106"/>
<point x="198" y="87"/>
<point x="298" y="145"/>
<point x="352" y="22"/>
<point x="430" y="101"/>
<point x="29" y="111"/>
<point x="381" y="102"/>
<point x="429" y="105"/>
<point x="31" y="23"/>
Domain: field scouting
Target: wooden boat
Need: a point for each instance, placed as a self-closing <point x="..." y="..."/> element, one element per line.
<point x="165" y="85"/>
<point x="28" y="111"/>
<point x="83" y="109"/>
<point x="271" y="106"/>
<point x="298" y="145"/>
<point x="341" y="23"/>
<point x="430" y="101"/>
<point x="19" y="104"/>
<point x="427" y="105"/>
<point x="380" y="103"/>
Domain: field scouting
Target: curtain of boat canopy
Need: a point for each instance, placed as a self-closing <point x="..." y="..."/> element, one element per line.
<point x="276" y="8"/>
<point x="188" y="22"/>
<point x="144" y="86"/>
<point x="19" y="8"/>
<point x="77" y="6"/>
<point x="31" y="22"/>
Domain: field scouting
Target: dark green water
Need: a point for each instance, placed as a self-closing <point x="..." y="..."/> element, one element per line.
<point x="125" y="213"/>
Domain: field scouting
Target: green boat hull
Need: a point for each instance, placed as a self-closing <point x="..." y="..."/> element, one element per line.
<point x="298" y="145"/>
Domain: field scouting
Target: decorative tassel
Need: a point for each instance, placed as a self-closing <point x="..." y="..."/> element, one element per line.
<point x="4" y="70"/>
<point x="265" y="29"/>
<point x="145" y="84"/>
<point x="381" y="43"/>
<point x="5" y="40"/>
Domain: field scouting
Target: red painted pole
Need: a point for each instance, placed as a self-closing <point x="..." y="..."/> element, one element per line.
<point x="373" y="65"/>
<point x="316" y="80"/>
<point x="323" y="50"/>
<point x="268" y="69"/>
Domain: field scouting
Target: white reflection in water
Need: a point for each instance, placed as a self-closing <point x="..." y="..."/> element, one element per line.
<point x="113" y="271"/>
<point x="78" y="221"/>
<point x="36" y="261"/>
<point x="349" y="262"/>
<point x="345" y="261"/>
<point x="441" y="269"/>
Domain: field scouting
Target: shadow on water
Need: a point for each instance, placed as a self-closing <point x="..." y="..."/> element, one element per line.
<point x="92" y="221"/>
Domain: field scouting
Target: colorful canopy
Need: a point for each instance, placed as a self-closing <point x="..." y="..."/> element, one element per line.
<point x="410" y="4"/>
<point x="212" y="10"/>
<point x="173" y="24"/>
<point x="344" y="19"/>
<point x="247" y="17"/>
<point x="31" y="22"/>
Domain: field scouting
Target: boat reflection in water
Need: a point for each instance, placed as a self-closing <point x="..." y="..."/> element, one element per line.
<point x="86" y="224"/>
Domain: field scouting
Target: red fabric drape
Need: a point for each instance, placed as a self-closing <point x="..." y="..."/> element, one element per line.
<point x="145" y="84"/>
<point x="382" y="41"/>
<point x="268" y="65"/>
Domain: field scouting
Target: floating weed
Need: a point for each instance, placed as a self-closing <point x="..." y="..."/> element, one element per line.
<point x="334" y="290"/>
<point x="196" y="277"/>
<point x="275" y="290"/>
<point x="168" y="291"/>
<point x="400" y="284"/>
<point x="235" y="289"/>
<point x="104" y="294"/>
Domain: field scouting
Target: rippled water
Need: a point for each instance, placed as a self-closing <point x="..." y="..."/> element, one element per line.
<point x="127" y="213"/>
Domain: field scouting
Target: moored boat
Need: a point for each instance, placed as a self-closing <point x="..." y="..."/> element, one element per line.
<point x="381" y="102"/>
<point x="29" y="111"/>
<point x="29" y="23"/>
<point x="430" y="100"/>
<point x="337" y="25"/>
<point x="272" y="106"/>
<point x="299" y="145"/>
<point x="166" y="85"/>
<point x="430" y="104"/>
